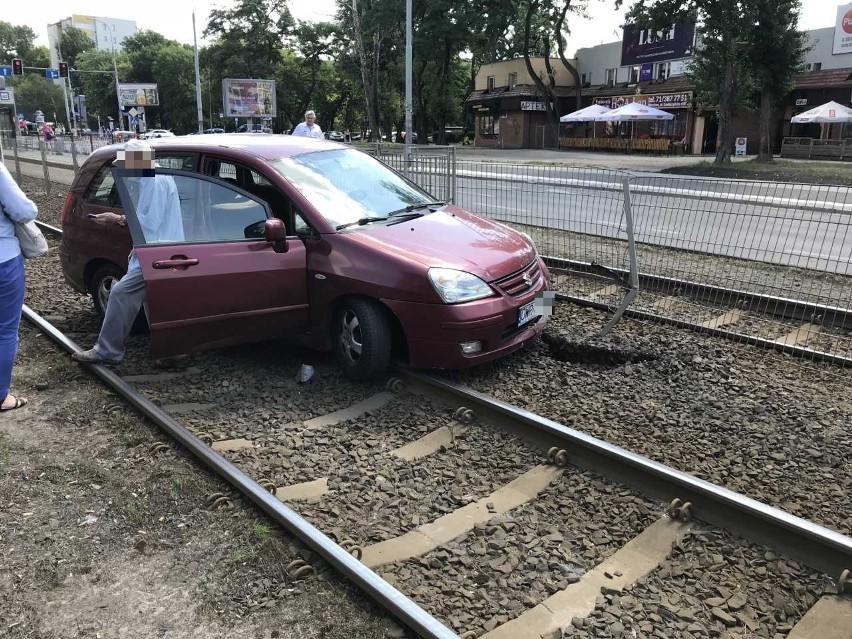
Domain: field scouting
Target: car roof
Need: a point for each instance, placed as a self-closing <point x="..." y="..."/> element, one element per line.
<point x="268" y="146"/>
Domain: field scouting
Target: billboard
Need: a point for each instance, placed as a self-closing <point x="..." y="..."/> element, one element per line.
<point x="139" y="95"/>
<point x="642" y="46"/>
<point x="249" y="98"/>
<point x="843" y="30"/>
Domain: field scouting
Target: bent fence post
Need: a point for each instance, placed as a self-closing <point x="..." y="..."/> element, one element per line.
<point x="631" y="252"/>
<point x="44" y="167"/>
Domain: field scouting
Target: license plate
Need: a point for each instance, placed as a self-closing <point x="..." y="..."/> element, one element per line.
<point x="526" y="313"/>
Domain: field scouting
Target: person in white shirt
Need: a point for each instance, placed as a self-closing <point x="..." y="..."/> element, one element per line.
<point x="309" y="128"/>
<point x="158" y="211"/>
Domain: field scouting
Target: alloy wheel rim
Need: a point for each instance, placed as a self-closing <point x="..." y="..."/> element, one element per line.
<point x="350" y="337"/>
<point x="104" y="288"/>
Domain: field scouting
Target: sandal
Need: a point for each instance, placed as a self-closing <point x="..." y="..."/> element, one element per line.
<point x="20" y="402"/>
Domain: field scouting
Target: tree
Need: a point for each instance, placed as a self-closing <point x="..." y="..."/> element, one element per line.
<point x="16" y="42"/>
<point x="98" y="81"/>
<point x="73" y="42"/>
<point x="545" y="88"/>
<point x="778" y="47"/>
<point x="37" y="93"/>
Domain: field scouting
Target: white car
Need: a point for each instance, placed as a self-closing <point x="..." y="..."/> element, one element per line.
<point x="157" y="133"/>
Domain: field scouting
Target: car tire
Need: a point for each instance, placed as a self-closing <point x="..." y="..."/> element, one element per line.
<point x="362" y="339"/>
<point x="101" y="284"/>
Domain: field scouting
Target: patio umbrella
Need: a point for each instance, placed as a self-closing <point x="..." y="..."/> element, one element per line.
<point x="634" y="111"/>
<point x="588" y="114"/>
<point x="828" y="113"/>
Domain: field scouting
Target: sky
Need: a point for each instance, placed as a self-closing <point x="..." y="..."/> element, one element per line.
<point x="173" y="18"/>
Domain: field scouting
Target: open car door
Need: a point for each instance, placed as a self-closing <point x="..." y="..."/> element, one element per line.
<point x="212" y="279"/>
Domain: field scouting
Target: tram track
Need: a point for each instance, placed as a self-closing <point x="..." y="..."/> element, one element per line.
<point x="342" y="434"/>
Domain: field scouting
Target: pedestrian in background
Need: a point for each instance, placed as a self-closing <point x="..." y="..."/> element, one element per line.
<point x="16" y="207"/>
<point x="309" y="128"/>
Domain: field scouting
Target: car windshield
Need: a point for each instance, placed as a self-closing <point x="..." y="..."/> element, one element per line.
<point x="346" y="185"/>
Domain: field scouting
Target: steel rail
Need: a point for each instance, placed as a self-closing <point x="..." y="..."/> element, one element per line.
<point x="758" y="302"/>
<point x="801" y="352"/>
<point x="400" y="606"/>
<point x="816" y="546"/>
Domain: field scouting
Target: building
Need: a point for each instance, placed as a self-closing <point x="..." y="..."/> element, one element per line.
<point x="509" y="112"/>
<point x="107" y="33"/>
<point x="650" y="67"/>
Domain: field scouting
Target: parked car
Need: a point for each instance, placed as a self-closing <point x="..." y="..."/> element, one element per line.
<point x="215" y="129"/>
<point x="335" y="136"/>
<point x="157" y="133"/>
<point x="254" y="128"/>
<point x="313" y="242"/>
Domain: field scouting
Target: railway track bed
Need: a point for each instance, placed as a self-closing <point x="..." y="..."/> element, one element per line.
<point x="497" y="536"/>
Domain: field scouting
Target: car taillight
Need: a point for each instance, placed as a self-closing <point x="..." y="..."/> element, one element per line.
<point x="66" y="208"/>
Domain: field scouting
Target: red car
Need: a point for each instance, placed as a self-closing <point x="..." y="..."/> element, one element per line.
<point x="314" y="242"/>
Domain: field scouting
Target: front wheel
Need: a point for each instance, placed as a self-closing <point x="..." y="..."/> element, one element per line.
<point x="362" y="339"/>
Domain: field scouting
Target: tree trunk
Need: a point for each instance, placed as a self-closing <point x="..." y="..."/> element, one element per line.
<point x="726" y="108"/>
<point x="366" y="75"/>
<point x="542" y="88"/>
<point x="560" y="46"/>
<point x="767" y="100"/>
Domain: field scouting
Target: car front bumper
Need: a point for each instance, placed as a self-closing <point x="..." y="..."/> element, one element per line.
<point x="434" y="332"/>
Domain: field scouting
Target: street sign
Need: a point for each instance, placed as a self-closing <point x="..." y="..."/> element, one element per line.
<point x="5" y="71"/>
<point x="51" y="74"/>
<point x="740" y="146"/>
<point x="133" y="112"/>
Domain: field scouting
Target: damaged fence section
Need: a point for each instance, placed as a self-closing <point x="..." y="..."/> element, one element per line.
<point x="758" y="262"/>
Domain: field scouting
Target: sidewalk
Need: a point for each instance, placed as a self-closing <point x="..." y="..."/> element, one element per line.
<point x="584" y="159"/>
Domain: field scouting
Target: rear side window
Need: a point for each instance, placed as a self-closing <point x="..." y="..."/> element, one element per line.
<point x="102" y="190"/>
<point x="181" y="162"/>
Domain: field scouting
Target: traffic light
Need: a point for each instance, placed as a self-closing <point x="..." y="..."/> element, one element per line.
<point x="17" y="67"/>
<point x="63" y="69"/>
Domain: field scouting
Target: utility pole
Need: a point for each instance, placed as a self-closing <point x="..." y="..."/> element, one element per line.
<point x="198" y="81"/>
<point x="408" y="80"/>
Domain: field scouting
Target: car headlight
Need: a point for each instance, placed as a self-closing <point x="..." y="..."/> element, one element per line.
<point x="458" y="286"/>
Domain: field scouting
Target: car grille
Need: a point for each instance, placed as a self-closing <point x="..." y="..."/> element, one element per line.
<point x="520" y="282"/>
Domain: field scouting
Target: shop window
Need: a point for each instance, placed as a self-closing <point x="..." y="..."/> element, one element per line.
<point x="490" y="83"/>
<point x="610" y="77"/>
<point x="486" y="125"/>
<point x="512" y="80"/>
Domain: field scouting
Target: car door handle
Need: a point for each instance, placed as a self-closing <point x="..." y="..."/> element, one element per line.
<point x="176" y="262"/>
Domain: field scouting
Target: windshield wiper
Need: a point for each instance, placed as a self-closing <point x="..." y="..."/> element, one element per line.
<point x="361" y="222"/>
<point x="415" y="207"/>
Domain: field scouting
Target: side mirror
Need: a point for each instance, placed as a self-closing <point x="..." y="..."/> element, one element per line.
<point x="275" y="233"/>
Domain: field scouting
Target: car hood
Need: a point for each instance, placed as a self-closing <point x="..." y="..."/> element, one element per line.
<point x="454" y="238"/>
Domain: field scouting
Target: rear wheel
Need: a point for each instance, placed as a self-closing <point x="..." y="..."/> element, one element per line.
<point x="101" y="285"/>
<point x="362" y="339"/>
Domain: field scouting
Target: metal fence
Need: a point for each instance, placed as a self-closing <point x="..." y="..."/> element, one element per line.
<point x="431" y="167"/>
<point x="757" y="262"/>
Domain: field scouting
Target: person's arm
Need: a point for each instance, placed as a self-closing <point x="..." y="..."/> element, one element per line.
<point x="17" y="206"/>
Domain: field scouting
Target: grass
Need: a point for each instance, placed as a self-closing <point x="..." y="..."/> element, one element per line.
<point x="792" y="171"/>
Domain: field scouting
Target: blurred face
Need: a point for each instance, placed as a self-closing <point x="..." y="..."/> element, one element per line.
<point x="142" y="161"/>
<point x="309" y="119"/>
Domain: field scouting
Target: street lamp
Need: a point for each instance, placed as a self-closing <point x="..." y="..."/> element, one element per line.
<point x="114" y="65"/>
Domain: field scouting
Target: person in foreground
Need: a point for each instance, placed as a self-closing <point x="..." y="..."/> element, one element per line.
<point x="15" y="206"/>
<point x="159" y="214"/>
